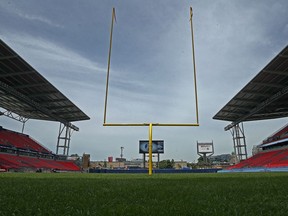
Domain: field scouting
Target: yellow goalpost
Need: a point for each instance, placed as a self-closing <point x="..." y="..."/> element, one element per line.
<point x="150" y="125"/>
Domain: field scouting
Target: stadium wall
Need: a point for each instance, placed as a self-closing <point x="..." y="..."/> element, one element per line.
<point x="154" y="171"/>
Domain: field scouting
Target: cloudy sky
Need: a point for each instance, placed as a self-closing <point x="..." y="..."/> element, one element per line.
<point x="151" y="67"/>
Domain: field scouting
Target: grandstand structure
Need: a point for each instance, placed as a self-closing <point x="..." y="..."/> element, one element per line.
<point x="264" y="97"/>
<point x="18" y="151"/>
<point x="271" y="153"/>
<point x="25" y="94"/>
<point x="277" y="139"/>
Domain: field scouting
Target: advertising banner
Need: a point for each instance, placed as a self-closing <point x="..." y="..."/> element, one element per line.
<point x="205" y="147"/>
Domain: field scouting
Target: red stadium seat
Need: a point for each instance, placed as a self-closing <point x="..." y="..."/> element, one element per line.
<point x="22" y="141"/>
<point x="269" y="159"/>
<point x="25" y="143"/>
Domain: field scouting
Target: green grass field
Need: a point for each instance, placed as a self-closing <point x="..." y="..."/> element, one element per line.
<point x="139" y="194"/>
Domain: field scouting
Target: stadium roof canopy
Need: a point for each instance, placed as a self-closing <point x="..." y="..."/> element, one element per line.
<point x="264" y="97"/>
<point x="26" y="92"/>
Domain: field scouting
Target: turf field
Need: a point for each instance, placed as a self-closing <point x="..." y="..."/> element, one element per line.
<point x="140" y="194"/>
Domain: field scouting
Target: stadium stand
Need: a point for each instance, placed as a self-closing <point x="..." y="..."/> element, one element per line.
<point x="262" y="98"/>
<point x="273" y="153"/>
<point x="25" y="94"/>
<point x="15" y="162"/>
<point x="20" y="152"/>
<point x="22" y="141"/>
<point x="277" y="139"/>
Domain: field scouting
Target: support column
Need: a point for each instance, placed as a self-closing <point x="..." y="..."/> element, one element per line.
<point x="150" y="149"/>
<point x="239" y="142"/>
<point x="144" y="160"/>
<point x="64" y="137"/>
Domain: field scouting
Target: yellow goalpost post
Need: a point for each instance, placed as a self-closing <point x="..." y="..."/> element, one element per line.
<point x="150" y="125"/>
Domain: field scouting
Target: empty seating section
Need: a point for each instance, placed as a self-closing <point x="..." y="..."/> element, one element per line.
<point x="21" y="141"/>
<point x="70" y="164"/>
<point x="269" y="159"/>
<point x="281" y="134"/>
<point x="20" y="144"/>
<point x="280" y="160"/>
<point x="8" y="161"/>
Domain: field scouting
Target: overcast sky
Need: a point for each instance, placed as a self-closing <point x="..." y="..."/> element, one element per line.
<point x="151" y="67"/>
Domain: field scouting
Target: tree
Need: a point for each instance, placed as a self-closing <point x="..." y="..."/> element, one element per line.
<point x="166" y="164"/>
<point x="201" y="160"/>
<point x="192" y="165"/>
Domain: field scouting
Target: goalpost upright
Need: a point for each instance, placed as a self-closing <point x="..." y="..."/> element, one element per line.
<point x="150" y="125"/>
